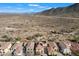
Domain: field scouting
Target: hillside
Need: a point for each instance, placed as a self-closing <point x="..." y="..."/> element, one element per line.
<point x="72" y="10"/>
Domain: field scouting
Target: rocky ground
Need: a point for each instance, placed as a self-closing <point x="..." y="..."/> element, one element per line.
<point x="29" y="25"/>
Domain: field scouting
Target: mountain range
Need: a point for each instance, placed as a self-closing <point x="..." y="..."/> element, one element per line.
<point x="72" y="10"/>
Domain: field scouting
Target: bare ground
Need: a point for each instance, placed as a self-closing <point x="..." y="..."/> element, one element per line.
<point x="26" y="25"/>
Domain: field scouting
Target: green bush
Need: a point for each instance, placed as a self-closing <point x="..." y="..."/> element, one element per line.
<point x="76" y="38"/>
<point x="18" y="39"/>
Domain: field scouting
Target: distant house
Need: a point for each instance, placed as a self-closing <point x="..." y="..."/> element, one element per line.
<point x="75" y="48"/>
<point x="67" y="43"/>
<point x="40" y="49"/>
<point x="17" y="49"/>
<point x="52" y="48"/>
<point x="30" y="48"/>
<point x="65" y="47"/>
<point x="5" y="47"/>
<point x="44" y="43"/>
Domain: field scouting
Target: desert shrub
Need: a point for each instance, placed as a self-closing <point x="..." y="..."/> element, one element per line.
<point x="17" y="38"/>
<point x="38" y="35"/>
<point x="4" y="36"/>
<point x="76" y="38"/>
<point x="7" y="38"/>
<point x="29" y="38"/>
<point x="34" y="36"/>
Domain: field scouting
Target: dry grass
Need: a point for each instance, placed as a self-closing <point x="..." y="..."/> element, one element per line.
<point x="27" y="25"/>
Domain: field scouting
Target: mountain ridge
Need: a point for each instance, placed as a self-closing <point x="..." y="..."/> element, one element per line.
<point x="72" y="10"/>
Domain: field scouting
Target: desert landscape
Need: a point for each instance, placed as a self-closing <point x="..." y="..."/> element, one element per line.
<point x="48" y="33"/>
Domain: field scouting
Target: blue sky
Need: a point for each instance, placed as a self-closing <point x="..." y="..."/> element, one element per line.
<point x="28" y="7"/>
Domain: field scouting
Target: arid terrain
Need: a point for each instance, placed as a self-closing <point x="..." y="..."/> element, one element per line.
<point x="38" y="28"/>
<point x="28" y="25"/>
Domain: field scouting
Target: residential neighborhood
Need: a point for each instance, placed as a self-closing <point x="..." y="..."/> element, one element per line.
<point x="41" y="48"/>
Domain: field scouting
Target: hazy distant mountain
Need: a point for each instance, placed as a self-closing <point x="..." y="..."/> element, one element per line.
<point x="72" y="10"/>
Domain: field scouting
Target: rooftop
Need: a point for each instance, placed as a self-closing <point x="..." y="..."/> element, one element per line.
<point x="4" y="45"/>
<point x="30" y="44"/>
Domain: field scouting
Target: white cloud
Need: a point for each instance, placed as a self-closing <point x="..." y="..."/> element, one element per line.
<point x="33" y="5"/>
<point x="44" y="7"/>
<point x="39" y="6"/>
